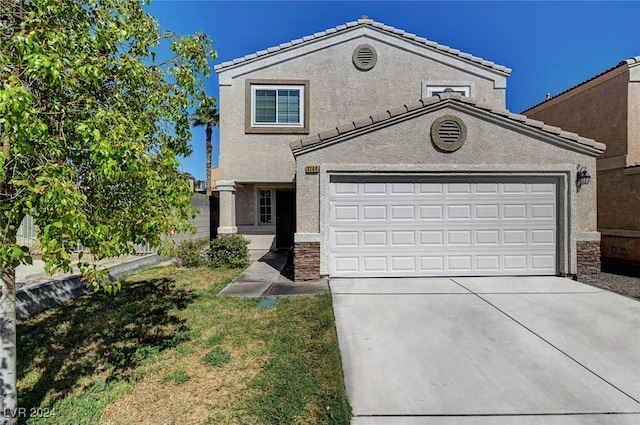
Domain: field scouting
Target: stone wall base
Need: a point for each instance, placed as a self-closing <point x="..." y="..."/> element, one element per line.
<point x="588" y="260"/>
<point x="306" y="261"/>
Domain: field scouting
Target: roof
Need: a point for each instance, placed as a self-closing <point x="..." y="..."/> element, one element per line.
<point x="366" y="22"/>
<point x="625" y="63"/>
<point x="428" y="104"/>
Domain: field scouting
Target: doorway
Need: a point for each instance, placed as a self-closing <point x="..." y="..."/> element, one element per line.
<point x="285" y="218"/>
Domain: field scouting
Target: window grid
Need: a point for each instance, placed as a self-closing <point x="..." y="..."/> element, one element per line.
<point x="264" y="207"/>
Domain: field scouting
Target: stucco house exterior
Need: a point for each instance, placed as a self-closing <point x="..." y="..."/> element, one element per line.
<point x="607" y="108"/>
<point x="376" y="152"/>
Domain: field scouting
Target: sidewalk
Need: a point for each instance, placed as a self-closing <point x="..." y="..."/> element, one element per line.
<point x="263" y="278"/>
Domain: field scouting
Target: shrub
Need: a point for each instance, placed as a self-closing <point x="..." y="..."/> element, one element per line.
<point x="229" y="251"/>
<point x="192" y="253"/>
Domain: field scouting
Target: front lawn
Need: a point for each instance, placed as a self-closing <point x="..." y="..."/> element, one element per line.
<point x="168" y="350"/>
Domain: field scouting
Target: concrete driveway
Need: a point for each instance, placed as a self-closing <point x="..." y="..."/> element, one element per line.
<point x="505" y="350"/>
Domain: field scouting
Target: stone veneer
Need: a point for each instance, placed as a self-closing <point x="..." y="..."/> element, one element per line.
<point x="588" y="260"/>
<point x="306" y="261"/>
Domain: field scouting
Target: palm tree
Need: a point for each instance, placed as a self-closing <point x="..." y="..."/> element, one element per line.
<point x="207" y="116"/>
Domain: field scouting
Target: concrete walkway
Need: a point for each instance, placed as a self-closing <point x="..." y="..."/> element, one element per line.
<point x="495" y="351"/>
<point x="263" y="278"/>
<point x="37" y="290"/>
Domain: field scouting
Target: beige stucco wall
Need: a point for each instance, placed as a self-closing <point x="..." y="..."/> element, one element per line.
<point x="597" y="110"/>
<point x="338" y="93"/>
<point x="489" y="147"/>
<point x="633" y="126"/>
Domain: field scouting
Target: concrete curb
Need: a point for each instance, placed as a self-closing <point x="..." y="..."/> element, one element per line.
<point x="34" y="299"/>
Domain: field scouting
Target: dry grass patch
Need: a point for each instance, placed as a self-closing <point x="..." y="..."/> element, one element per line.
<point x="169" y="350"/>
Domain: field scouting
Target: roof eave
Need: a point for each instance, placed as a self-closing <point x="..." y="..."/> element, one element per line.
<point x="516" y="122"/>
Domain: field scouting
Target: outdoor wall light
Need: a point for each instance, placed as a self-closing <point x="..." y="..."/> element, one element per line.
<point x="583" y="177"/>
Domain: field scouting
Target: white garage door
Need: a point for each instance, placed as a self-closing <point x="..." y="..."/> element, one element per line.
<point x="454" y="228"/>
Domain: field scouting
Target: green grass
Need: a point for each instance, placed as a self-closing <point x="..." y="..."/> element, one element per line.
<point x="168" y="336"/>
<point x="216" y="357"/>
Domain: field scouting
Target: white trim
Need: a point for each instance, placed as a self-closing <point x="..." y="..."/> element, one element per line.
<point x="273" y="207"/>
<point x="307" y="237"/>
<point x="429" y="90"/>
<point x="276" y="88"/>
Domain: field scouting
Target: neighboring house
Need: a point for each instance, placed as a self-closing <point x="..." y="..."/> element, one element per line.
<point x="325" y="145"/>
<point x="607" y="108"/>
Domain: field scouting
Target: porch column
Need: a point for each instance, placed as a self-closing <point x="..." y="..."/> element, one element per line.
<point x="227" y="189"/>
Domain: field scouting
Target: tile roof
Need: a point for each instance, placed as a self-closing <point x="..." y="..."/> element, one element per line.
<point x="628" y="62"/>
<point x="366" y="22"/>
<point x="430" y="102"/>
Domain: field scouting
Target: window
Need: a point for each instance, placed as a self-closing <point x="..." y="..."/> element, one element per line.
<point x="277" y="106"/>
<point x="434" y="90"/>
<point x="264" y="206"/>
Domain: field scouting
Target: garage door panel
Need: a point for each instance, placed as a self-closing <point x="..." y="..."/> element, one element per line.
<point x="374" y="212"/>
<point x="459" y="212"/>
<point x="344" y="189"/>
<point x="487" y="212"/>
<point x="345" y="239"/>
<point x="488" y="263"/>
<point x="458" y="189"/>
<point x="542" y="262"/>
<point x="401" y="189"/>
<point x="431" y="212"/>
<point x="403" y="212"/>
<point x="488" y="237"/>
<point x="515" y="212"/>
<point x="487" y="189"/>
<point x="431" y="190"/>
<point x="459" y="237"/>
<point x="345" y="213"/>
<point x="442" y="228"/>
<point x="403" y="238"/>
<point x="375" y="264"/>
<point x="515" y="189"/>
<point x="543" y="212"/>
<point x="543" y="237"/>
<point x="374" y="239"/>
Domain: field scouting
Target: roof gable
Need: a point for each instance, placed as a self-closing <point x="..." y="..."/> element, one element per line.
<point x="370" y="28"/>
<point x="620" y="67"/>
<point x="551" y="134"/>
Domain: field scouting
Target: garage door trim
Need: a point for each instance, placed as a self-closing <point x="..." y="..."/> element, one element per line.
<point x="565" y="197"/>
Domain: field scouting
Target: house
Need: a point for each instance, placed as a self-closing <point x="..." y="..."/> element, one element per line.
<point x="607" y="108"/>
<point x="376" y="152"/>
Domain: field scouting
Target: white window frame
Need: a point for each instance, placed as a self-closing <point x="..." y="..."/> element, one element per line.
<point x="271" y="207"/>
<point x="433" y="90"/>
<point x="276" y="87"/>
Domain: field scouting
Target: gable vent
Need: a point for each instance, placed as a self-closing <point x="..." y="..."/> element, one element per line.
<point x="448" y="133"/>
<point x="364" y="57"/>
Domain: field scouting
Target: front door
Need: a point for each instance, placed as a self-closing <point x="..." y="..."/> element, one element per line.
<point x="285" y="218"/>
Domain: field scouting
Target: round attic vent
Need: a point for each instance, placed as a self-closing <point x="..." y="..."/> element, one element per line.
<point x="364" y="57"/>
<point x="448" y="133"/>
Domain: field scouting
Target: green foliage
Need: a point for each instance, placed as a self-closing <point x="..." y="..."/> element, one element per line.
<point x="192" y="253"/>
<point x="179" y="377"/>
<point x="229" y="251"/>
<point x="216" y="357"/>
<point x="91" y="125"/>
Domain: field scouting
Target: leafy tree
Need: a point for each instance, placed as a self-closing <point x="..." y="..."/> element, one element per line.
<point x="207" y="116"/>
<point x="91" y="124"/>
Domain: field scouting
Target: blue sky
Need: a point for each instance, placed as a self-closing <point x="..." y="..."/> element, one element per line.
<point x="550" y="46"/>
